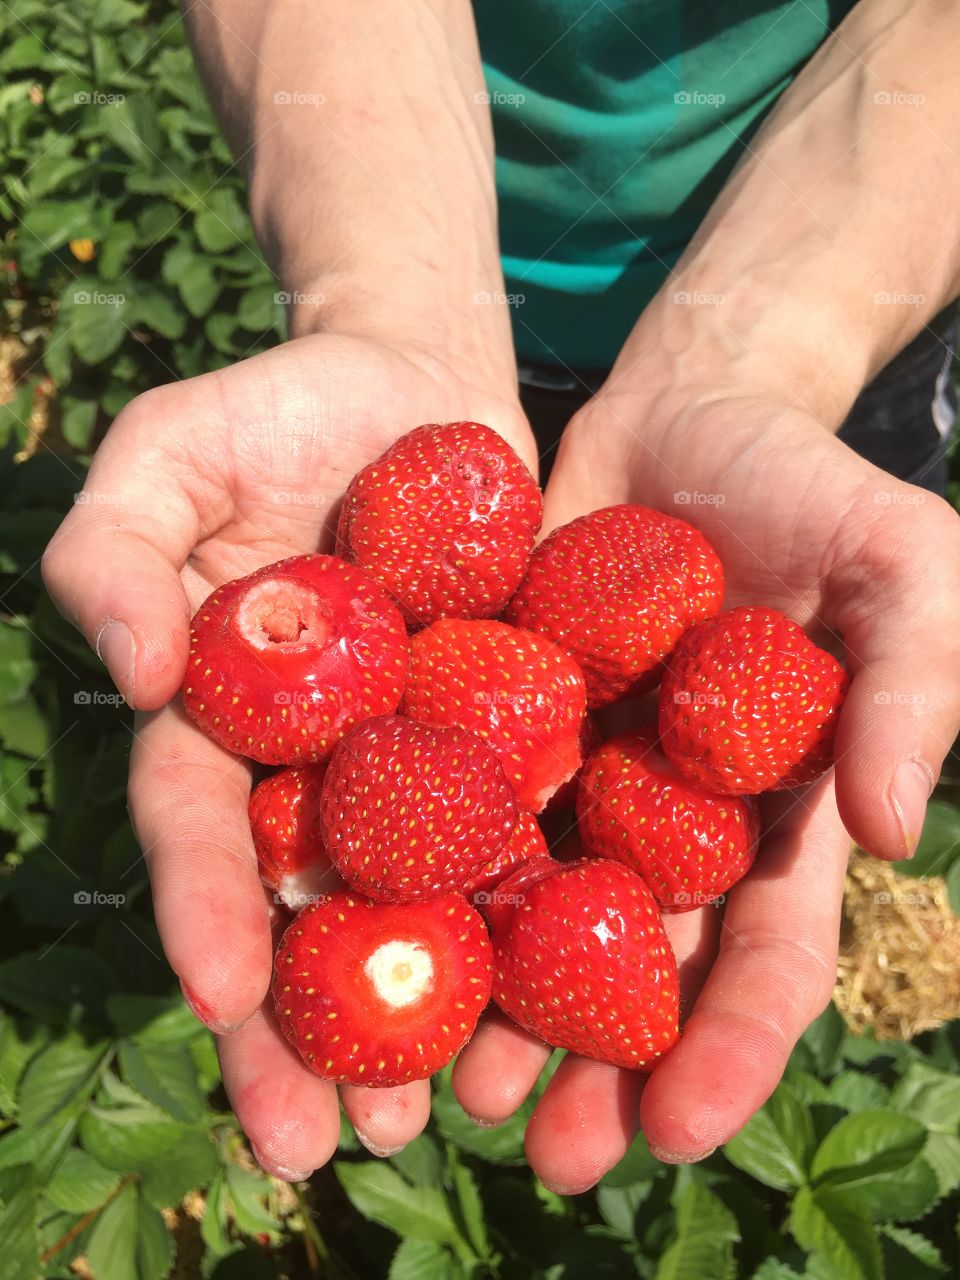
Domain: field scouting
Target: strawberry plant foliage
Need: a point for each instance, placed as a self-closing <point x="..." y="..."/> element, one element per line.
<point x="129" y="261"/>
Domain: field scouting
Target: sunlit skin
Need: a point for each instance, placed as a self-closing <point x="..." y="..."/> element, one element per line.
<point x="739" y="400"/>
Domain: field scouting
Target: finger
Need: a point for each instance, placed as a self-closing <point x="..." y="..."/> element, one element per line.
<point x="113" y="566"/>
<point x="188" y="803"/>
<point x="900" y="623"/>
<point x="583" y="1124"/>
<point x="497" y="1069"/>
<point x="775" y="971"/>
<point x="590" y="1111"/>
<point x="385" y="1120"/>
<point x="290" y="1116"/>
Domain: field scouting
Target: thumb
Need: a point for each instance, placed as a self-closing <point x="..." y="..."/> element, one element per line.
<point x="113" y="570"/>
<point x="902" y="713"/>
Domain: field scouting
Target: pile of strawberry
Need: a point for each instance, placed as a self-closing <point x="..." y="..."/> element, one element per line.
<point x="435" y="685"/>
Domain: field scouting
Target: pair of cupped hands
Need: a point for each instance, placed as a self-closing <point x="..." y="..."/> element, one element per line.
<point x="213" y="477"/>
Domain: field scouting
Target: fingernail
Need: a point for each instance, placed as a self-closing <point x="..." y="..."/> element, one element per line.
<point x="912" y="784"/>
<point x="376" y="1150"/>
<point x="279" y="1170"/>
<point x="675" y="1157"/>
<point x="116" y="650"/>
<point x="203" y="1013"/>
<point x="484" y="1124"/>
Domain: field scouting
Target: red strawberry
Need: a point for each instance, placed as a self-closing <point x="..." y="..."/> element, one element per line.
<point x="414" y="811"/>
<point x="689" y="845"/>
<point x="445" y="520"/>
<point x="565" y="796"/>
<point x="582" y="960"/>
<point x="285" y="822"/>
<point x="749" y="703"/>
<point x="616" y="589"/>
<point x="526" y="842"/>
<point x="284" y="662"/>
<point x="378" y="995"/>
<point x="515" y="689"/>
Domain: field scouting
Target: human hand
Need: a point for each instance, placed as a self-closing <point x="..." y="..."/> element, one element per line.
<point x="201" y="482"/>
<point x="800" y="523"/>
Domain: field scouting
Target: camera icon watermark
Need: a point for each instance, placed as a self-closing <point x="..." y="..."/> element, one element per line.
<point x="684" y="698"/>
<point x="94" y="98"/>
<point x="98" y="698"/>
<point x="97" y="498"/>
<point x="694" y="98"/>
<point x="497" y="98"/>
<point x="895" y="698"/>
<point x="696" y="298"/>
<point x="486" y="298"/>
<point x="694" y="498"/>
<point x="94" y="898"/>
<point x="84" y="298"/>
<point x="495" y="898"/>
<point x="296" y="299"/>
<point x="886" y="898"/>
<point x="899" y="498"/>
<point x="298" y="98"/>
<point x="898" y="298"/>
<point x="898" y="98"/>
<point x="696" y="898"/>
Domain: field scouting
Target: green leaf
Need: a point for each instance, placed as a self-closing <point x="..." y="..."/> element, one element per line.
<point x="706" y="1232"/>
<point x="157" y="222"/>
<point x="81" y="1183"/>
<point x="867" y="1153"/>
<point x="223" y="223"/>
<point x="199" y="287"/>
<point x="214" y="1226"/>
<point x="157" y="309"/>
<point x="17" y="667"/>
<point x="420" y="1161"/>
<point x="49" y="225"/>
<point x="98" y="321"/>
<point x="775" y="1145"/>
<point x="942" y="1153"/>
<point x="129" y="1240"/>
<point x="162" y="1021"/>
<point x="132" y="126"/>
<point x="833" y="1224"/>
<point x="910" y="1256"/>
<point x="59" y="1075"/>
<point x="471" y="1209"/>
<point x="818" y="1049"/>
<point x="939" y="845"/>
<point x="55" y="984"/>
<point x="930" y="1096"/>
<point x="19" y="1041"/>
<point x="953" y="887"/>
<point x="77" y="421"/>
<point x="259" y="309"/>
<point x="619" y="1206"/>
<point x="422" y="1259"/>
<point x="165" y="1076"/>
<point x="379" y="1193"/>
<point x="130" y="1139"/>
<point x="117" y="249"/>
<point x="42" y="1147"/>
<point x="192" y="1163"/>
<point x="857" y="1091"/>
<point x="248" y="1191"/>
<point x="20" y="1252"/>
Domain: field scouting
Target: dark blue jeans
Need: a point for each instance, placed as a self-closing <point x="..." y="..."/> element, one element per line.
<point x="902" y="421"/>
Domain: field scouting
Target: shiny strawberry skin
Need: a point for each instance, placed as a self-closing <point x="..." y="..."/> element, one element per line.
<point x="375" y="994"/>
<point x="583" y="961"/>
<point x="616" y="589"/>
<point x="689" y="845"/>
<point x="749" y="703"/>
<point x="284" y="662"/>
<point x="526" y="841"/>
<point x="284" y="812"/>
<point x="445" y="520"/>
<point x="413" y="811"/>
<point x="515" y="689"/>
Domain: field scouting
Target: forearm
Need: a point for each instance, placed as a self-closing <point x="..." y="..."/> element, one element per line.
<point x="366" y="137"/>
<point x="835" y="239"/>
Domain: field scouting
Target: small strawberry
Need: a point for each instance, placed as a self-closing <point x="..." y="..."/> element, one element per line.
<point x="689" y="845"/>
<point x="526" y="842"/>
<point x="515" y="689"/>
<point x="582" y="960"/>
<point x="375" y="994"/>
<point x="284" y="662"/>
<point x="616" y="589"/>
<point x="412" y="810"/>
<point x="285" y="822"/>
<point x="445" y="520"/>
<point x="748" y="703"/>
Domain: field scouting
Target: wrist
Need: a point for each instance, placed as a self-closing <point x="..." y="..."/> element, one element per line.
<point x="708" y="338"/>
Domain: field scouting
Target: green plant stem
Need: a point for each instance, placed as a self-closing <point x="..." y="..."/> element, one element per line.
<point x="81" y="1226"/>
